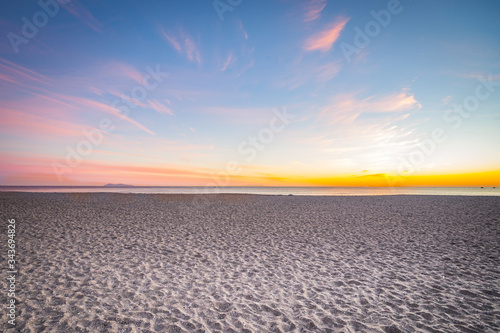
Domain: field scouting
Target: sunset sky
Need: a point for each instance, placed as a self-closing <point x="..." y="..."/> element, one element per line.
<point x="245" y="92"/>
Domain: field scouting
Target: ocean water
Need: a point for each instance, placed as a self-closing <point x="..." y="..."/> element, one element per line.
<point x="329" y="191"/>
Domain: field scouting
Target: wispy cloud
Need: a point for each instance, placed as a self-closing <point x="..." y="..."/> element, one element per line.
<point x="96" y="105"/>
<point x="242" y="29"/>
<point x="173" y="41"/>
<point x="323" y="41"/>
<point x="366" y="144"/>
<point x="123" y="70"/>
<point x="60" y="104"/>
<point x="228" y="61"/>
<point x="159" y="107"/>
<point x="37" y="170"/>
<point x="313" y="9"/>
<point x="183" y="44"/>
<point x="23" y="124"/>
<point x="309" y="72"/>
<point x="76" y="9"/>
<point x="346" y="108"/>
<point x="328" y="71"/>
<point x="241" y="115"/>
<point x="191" y="49"/>
<point x="478" y="75"/>
<point x="247" y="67"/>
<point x="447" y="99"/>
<point x="14" y="73"/>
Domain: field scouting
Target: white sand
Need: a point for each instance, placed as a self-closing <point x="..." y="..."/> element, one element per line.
<point x="247" y="263"/>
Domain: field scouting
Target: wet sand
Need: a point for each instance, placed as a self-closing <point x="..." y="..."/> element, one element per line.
<point x="248" y="263"/>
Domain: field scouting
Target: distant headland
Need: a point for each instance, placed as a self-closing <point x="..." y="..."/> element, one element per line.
<point x="118" y="185"/>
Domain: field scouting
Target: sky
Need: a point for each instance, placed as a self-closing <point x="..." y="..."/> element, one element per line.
<point x="250" y="93"/>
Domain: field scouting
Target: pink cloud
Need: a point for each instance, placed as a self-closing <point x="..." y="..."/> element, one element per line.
<point x="346" y="108"/>
<point x="111" y="75"/>
<point x="397" y="102"/>
<point x="28" y="73"/>
<point x="7" y="78"/>
<point x="241" y="115"/>
<point x="50" y="99"/>
<point x="29" y="170"/>
<point x="309" y="72"/>
<point x="121" y="69"/>
<point x="78" y="104"/>
<point x="184" y="45"/>
<point x="328" y="71"/>
<point x="96" y="91"/>
<point x="22" y="124"/>
<point x="160" y="108"/>
<point x="247" y="67"/>
<point x="127" y="98"/>
<point x="192" y="52"/>
<point x="108" y="109"/>
<point x="228" y="61"/>
<point x="175" y="44"/>
<point x="38" y="170"/>
<point x="313" y="9"/>
<point x="153" y="145"/>
<point x="242" y="28"/>
<point x="324" y="40"/>
<point x="13" y="73"/>
<point x="43" y="106"/>
<point x="109" y="152"/>
<point x="76" y="9"/>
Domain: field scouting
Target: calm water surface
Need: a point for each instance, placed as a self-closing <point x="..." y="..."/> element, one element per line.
<point x="470" y="191"/>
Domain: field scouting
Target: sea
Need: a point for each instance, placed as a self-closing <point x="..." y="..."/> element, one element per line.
<point x="326" y="191"/>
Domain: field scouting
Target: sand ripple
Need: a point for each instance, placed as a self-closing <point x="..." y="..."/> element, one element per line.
<point x="244" y="263"/>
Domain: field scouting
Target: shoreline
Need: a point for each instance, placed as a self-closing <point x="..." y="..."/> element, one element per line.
<point x="260" y="194"/>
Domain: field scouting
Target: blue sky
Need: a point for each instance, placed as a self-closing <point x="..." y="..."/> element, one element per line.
<point x="369" y="113"/>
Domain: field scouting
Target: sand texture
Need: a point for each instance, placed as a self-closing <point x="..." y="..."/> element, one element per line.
<point x="247" y="263"/>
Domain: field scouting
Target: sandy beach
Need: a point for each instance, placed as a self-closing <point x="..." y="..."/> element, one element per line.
<point x="107" y="262"/>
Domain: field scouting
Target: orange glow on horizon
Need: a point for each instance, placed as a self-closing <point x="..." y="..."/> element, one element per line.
<point x="21" y="172"/>
<point x="487" y="178"/>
